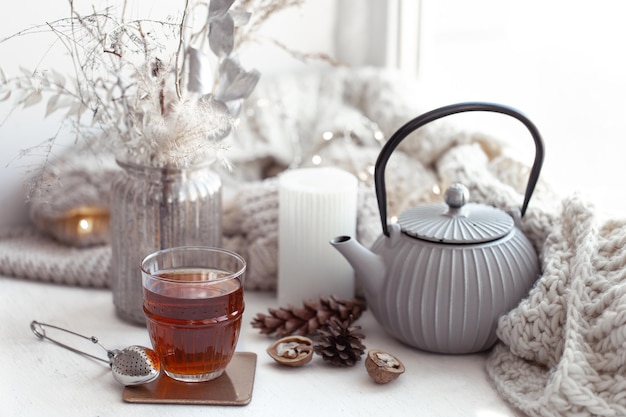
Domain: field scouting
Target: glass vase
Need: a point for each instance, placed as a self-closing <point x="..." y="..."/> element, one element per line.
<point x="156" y="208"/>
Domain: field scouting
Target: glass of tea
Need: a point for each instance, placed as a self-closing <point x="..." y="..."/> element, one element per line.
<point x="193" y="303"/>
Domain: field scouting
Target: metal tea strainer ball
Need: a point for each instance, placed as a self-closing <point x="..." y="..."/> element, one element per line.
<point x="133" y="365"/>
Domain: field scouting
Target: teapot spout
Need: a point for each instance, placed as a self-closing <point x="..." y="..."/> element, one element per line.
<point x="368" y="267"/>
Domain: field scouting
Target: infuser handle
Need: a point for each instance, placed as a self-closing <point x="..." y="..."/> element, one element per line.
<point x="419" y="121"/>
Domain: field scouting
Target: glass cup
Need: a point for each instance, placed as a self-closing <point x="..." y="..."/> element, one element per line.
<point x="193" y="303"/>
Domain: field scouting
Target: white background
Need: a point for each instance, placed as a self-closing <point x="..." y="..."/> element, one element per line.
<point x="560" y="62"/>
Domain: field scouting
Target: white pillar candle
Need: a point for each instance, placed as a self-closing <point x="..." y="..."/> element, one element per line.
<point x="315" y="205"/>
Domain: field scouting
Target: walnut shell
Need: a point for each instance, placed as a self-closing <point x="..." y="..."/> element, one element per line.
<point x="383" y="367"/>
<point x="292" y="350"/>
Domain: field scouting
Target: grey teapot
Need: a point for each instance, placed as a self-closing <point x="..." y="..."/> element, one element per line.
<point x="440" y="277"/>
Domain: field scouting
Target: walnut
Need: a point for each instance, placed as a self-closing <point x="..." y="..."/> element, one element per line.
<point x="292" y="350"/>
<point x="383" y="367"/>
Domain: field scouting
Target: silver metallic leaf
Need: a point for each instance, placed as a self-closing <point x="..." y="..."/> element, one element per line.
<point x="222" y="35"/>
<point x="200" y="77"/>
<point x="234" y="107"/>
<point x="57" y="78"/>
<point x="51" y="106"/>
<point x="235" y="81"/>
<point x="240" y="17"/>
<point x="219" y="7"/>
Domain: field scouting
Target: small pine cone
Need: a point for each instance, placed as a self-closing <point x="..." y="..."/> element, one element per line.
<point x="339" y="343"/>
<point x="305" y="320"/>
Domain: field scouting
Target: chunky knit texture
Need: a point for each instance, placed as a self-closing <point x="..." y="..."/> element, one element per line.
<point x="80" y="178"/>
<point x="562" y="350"/>
<point x="26" y="253"/>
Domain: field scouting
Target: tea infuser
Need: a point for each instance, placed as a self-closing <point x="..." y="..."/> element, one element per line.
<point x="133" y="365"/>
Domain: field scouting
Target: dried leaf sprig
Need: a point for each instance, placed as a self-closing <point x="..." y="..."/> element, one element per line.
<point x="159" y="92"/>
<point x="265" y="9"/>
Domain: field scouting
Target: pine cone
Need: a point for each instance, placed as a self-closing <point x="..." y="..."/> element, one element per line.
<point x="339" y="343"/>
<point x="305" y="320"/>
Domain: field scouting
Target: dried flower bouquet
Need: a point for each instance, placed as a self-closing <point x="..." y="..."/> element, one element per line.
<point x="158" y="93"/>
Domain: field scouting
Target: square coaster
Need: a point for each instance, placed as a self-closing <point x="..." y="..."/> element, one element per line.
<point x="233" y="387"/>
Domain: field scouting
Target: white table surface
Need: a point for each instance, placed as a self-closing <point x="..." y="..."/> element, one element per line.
<point x="39" y="378"/>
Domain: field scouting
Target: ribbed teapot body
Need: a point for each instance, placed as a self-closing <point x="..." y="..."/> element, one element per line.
<point x="155" y="208"/>
<point x="447" y="298"/>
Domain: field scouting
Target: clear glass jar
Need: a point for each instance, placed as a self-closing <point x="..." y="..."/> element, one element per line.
<point x="156" y="208"/>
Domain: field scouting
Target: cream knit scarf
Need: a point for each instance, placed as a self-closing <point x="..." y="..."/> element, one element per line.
<point x="563" y="350"/>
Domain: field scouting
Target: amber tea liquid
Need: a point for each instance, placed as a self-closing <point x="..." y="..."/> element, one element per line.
<point x="194" y="318"/>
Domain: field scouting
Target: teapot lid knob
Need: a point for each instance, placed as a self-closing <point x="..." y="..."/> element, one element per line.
<point x="456" y="195"/>
<point x="458" y="221"/>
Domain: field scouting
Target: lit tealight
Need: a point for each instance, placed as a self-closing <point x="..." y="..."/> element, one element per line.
<point x="436" y="189"/>
<point x="85" y="226"/>
<point x="82" y="226"/>
<point x="328" y="135"/>
<point x="316" y="160"/>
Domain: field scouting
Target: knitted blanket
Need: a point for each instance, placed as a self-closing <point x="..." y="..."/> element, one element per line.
<point x="562" y="350"/>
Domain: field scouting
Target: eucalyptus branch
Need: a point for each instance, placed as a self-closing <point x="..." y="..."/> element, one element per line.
<point x="123" y="14"/>
<point x="179" y="52"/>
<point x="264" y="9"/>
<point x="5" y="119"/>
<point x="138" y="86"/>
<point x="304" y="56"/>
<point x="204" y="30"/>
<point x="73" y="49"/>
<point x="41" y="28"/>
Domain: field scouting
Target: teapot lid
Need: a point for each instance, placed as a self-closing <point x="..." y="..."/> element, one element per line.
<point x="457" y="221"/>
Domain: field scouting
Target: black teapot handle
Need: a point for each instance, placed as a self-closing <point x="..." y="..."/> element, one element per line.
<point x="419" y="121"/>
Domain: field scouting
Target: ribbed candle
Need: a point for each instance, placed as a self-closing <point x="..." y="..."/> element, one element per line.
<point x="315" y="205"/>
